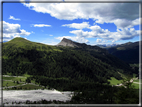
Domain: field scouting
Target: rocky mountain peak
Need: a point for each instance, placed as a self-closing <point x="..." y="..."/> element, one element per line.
<point x="67" y="42"/>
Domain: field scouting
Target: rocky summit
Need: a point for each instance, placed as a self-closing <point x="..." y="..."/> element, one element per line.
<point x="67" y="42"/>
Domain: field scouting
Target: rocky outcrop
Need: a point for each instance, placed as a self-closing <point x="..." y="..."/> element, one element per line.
<point x="67" y="42"/>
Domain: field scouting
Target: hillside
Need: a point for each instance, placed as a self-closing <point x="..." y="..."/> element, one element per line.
<point x="128" y="52"/>
<point x="88" y="64"/>
<point x="85" y="69"/>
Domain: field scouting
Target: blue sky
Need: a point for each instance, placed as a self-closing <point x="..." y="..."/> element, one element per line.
<point x="90" y="23"/>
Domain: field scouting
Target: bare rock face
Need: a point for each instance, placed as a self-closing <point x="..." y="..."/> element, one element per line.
<point x="67" y="42"/>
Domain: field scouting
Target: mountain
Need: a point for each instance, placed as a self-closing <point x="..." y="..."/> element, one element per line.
<point x="68" y="65"/>
<point x="77" y="68"/>
<point x="106" y="45"/>
<point x="128" y="52"/>
<point x="67" y="42"/>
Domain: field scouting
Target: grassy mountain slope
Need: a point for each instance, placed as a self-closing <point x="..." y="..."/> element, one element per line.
<point x="84" y="69"/>
<point x="52" y="63"/>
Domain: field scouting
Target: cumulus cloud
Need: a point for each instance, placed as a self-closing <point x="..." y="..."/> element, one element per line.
<point x="101" y="12"/>
<point x="98" y="32"/>
<point x="78" y="25"/>
<point x="99" y="40"/>
<point x="80" y="33"/>
<point x="124" y="23"/>
<point x="11" y="31"/>
<point x="13" y="18"/>
<point x="41" y="25"/>
<point x="124" y="15"/>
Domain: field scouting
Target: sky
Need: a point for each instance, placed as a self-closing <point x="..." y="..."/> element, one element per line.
<point x="90" y="23"/>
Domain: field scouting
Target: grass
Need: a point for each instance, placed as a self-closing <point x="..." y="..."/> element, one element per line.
<point x="114" y="81"/>
<point x="33" y="81"/>
<point x="136" y="86"/>
<point x="29" y="87"/>
<point x="10" y="83"/>
<point x="137" y="80"/>
<point x="26" y="75"/>
<point x="23" y="79"/>
<point x="7" y="78"/>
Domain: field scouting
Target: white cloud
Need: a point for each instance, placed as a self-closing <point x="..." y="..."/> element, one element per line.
<point x="50" y="35"/>
<point x="13" y="18"/>
<point x="98" y="32"/>
<point x="41" y="25"/>
<point x="74" y="38"/>
<point x="102" y="12"/>
<point x="99" y="40"/>
<point x="124" y="23"/>
<point x="50" y="43"/>
<point x="78" y="25"/>
<point x="80" y="33"/>
<point x="125" y="33"/>
<point x="124" y="15"/>
<point x="11" y="31"/>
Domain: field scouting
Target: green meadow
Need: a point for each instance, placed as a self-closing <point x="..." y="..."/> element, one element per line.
<point x="10" y="83"/>
<point x="23" y="79"/>
<point x="136" y="86"/>
<point x="19" y="80"/>
<point x="27" y="87"/>
<point x="114" y="81"/>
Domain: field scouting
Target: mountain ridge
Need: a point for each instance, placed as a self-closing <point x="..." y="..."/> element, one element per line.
<point x="85" y="69"/>
<point x="128" y="52"/>
<point x="27" y="49"/>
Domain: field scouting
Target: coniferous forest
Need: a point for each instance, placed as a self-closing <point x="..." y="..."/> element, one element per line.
<point x="84" y="69"/>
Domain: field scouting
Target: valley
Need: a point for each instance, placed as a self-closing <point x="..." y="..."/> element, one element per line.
<point x="27" y="89"/>
<point x="11" y="82"/>
<point x="68" y="66"/>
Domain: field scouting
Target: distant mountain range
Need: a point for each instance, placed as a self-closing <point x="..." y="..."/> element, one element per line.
<point x="128" y="52"/>
<point x="106" y="45"/>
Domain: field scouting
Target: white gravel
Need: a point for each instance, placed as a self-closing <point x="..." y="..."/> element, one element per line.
<point x="33" y="95"/>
